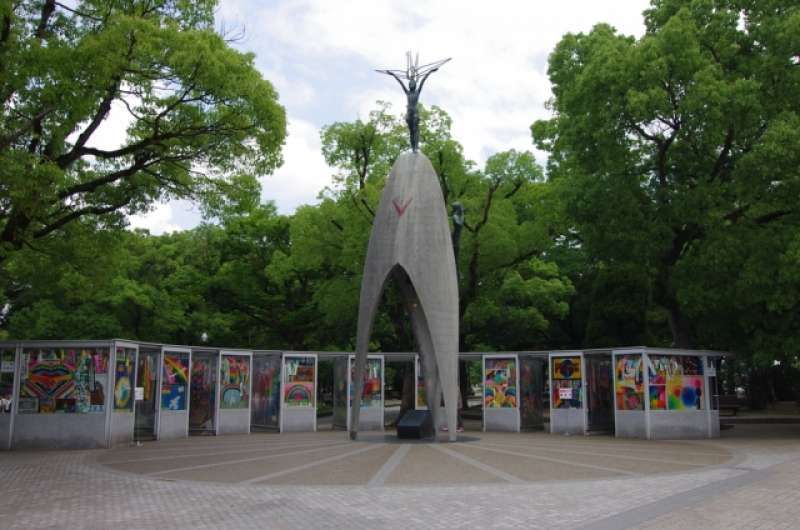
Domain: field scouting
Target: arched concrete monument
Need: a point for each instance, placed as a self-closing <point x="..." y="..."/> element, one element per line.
<point x="411" y="243"/>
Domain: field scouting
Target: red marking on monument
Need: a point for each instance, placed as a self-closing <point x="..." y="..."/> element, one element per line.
<point x="401" y="209"/>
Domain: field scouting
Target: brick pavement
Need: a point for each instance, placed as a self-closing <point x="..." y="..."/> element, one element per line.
<point x="773" y="501"/>
<point x="71" y="490"/>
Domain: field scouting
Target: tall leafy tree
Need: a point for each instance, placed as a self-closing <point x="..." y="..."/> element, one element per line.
<point x="201" y="120"/>
<point x="677" y="154"/>
<point x="510" y="291"/>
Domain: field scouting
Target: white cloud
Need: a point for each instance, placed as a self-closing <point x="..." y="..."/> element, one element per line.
<point x="494" y="88"/>
<point x="319" y="55"/>
<point x="160" y="220"/>
<point x="304" y="173"/>
<point x="297" y="182"/>
<point x="113" y="131"/>
<point x="291" y="92"/>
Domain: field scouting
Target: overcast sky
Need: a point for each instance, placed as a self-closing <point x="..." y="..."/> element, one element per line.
<point x="321" y="56"/>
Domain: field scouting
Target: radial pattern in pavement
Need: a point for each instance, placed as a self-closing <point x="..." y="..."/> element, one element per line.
<point x="317" y="459"/>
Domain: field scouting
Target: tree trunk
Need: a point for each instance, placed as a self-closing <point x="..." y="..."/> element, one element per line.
<point x="679" y="326"/>
<point x="664" y="295"/>
<point x="463" y="382"/>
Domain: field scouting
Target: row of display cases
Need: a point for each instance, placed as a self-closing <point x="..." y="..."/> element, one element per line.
<point x="98" y="393"/>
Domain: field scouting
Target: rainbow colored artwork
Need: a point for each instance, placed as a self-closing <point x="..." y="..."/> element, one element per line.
<point x="676" y="382"/>
<point x="175" y="381"/>
<point x="371" y="389"/>
<point x="63" y="380"/>
<point x="500" y="383"/>
<point x="685" y="393"/>
<point x="123" y="375"/>
<point x="235" y="382"/>
<point x="176" y="369"/>
<point x="658" y="397"/>
<point x="299" y="390"/>
<point x="630" y="384"/>
<point x="299" y="395"/>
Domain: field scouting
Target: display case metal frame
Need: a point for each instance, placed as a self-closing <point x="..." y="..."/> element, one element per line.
<point x="110" y="425"/>
<point x="496" y="419"/>
<point x="565" y="421"/>
<point x="64" y="438"/>
<point x="310" y="412"/>
<point x="219" y="427"/>
<point x="367" y="421"/>
<point x="684" y="424"/>
<point x="181" y="425"/>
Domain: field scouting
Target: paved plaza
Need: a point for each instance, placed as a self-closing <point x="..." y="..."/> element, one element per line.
<point x="746" y="479"/>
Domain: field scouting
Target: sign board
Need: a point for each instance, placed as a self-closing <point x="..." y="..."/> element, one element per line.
<point x="7" y="367"/>
<point x="138" y="393"/>
<point x="565" y="393"/>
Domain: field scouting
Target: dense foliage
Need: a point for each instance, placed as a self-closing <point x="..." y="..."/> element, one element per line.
<point x="259" y="279"/>
<point x="201" y="120"/>
<point x="676" y="159"/>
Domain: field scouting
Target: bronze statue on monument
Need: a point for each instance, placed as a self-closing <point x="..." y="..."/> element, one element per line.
<point x="416" y="76"/>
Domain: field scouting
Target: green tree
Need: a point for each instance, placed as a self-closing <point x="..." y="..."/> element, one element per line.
<point x="510" y="291"/>
<point x="619" y="303"/>
<point x="64" y="289"/>
<point x="676" y="154"/>
<point x="87" y="282"/>
<point x="202" y="121"/>
<point x="361" y="150"/>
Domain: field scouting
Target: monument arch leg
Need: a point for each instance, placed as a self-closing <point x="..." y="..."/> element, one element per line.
<point x="371" y="291"/>
<point x="422" y="335"/>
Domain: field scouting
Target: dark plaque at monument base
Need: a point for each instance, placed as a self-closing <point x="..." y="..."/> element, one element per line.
<point x="415" y="424"/>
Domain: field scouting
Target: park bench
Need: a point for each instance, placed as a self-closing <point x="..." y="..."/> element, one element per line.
<point x="730" y="403"/>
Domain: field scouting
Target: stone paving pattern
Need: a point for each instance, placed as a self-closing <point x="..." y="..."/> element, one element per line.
<point x="748" y="479"/>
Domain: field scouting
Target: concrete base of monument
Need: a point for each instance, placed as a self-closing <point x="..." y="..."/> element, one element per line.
<point x="392" y="438"/>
